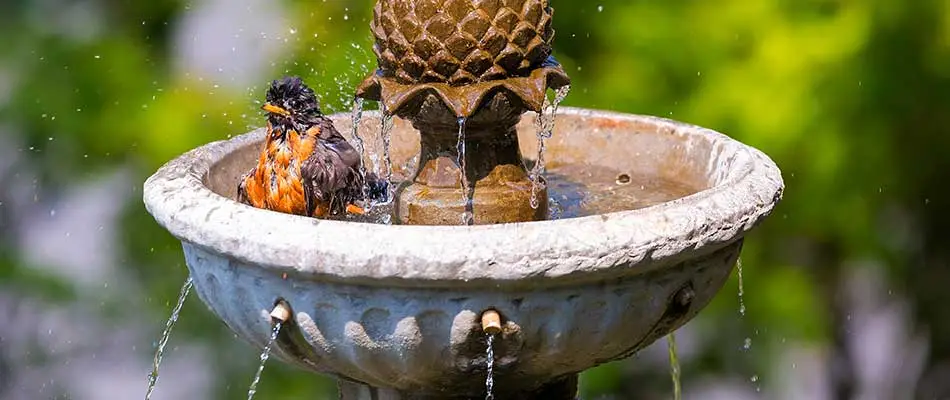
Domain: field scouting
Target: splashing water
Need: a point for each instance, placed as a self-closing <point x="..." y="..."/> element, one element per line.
<point x="468" y="192"/>
<point x="157" y="361"/>
<point x="674" y="366"/>
<point x="264" y="356"/>
<point x="490" y="361"/>
<point x="545" y="126"/>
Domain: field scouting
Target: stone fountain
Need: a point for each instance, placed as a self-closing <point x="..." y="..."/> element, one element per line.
<point x="395" y="311"/>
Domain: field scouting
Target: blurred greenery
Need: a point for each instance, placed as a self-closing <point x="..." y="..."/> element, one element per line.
<point x="850" y="97"/>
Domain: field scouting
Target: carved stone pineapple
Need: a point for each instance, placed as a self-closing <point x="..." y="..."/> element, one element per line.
<point x="461" y="42"/>
<point x="484" y="62"/>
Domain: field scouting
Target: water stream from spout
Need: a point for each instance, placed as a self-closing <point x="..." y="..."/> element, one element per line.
<point x="490" y="361"/>
<point x="545" y="127"/>
<point x="358" y="141"/>
<point x="157" y="361"/>
<point x="264" y="356"/>
<point x="674" y="366"/>
<point x="468" y="192"/>
<point x="747" y="343"/>
<point x="741" y="292"/>
<point x="385" y="133"/>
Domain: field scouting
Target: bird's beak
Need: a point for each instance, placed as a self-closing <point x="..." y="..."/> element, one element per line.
<point x="274" y="109"/>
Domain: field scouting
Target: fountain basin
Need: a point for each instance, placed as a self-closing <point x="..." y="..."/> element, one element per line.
<point x="398" y="306"/>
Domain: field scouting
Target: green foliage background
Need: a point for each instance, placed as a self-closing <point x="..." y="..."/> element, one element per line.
<point x="850" y="97"/>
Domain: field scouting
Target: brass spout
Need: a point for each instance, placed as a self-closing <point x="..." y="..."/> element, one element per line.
<point x="491" y="322"/>
<point x="281" y="312"/>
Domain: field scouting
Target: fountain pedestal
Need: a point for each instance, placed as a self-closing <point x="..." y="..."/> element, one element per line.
<point x="560" y="389"/>
<point x="496" y="187"/>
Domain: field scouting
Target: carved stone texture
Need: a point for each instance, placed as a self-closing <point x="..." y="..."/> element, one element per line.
<point x="458" y="57"/>
<point x="460" y="42"/>
<point x="397" y="307"/>
<point x="497" y="179"/>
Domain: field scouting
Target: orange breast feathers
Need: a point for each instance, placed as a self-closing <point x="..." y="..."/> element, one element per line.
<point x="275" y="183"/>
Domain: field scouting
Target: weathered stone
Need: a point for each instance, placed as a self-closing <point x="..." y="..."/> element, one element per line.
<point x="398" y="307"/>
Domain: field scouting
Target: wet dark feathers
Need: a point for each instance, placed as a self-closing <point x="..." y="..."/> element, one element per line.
<point x="331" y="174"/>
<point x="292" y="94"/>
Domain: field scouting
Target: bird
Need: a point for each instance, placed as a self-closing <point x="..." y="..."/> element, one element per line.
<point x="306" y="167"/>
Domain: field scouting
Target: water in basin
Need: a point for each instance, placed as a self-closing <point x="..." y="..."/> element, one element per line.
<point x="574" y="189"/>
<point x="580" y="191"/>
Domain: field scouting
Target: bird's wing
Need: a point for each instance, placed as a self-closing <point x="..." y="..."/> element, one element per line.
<point x="333" y="140"/>
<point x="242" y="187"/>
<point x="330" y="173"/>
<point x="316" y="178"/>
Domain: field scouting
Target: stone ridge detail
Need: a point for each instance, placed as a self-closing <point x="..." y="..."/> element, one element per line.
<point x="429" y="341"/>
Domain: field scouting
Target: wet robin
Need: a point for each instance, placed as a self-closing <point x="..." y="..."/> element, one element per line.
<point x="306" y="166"/>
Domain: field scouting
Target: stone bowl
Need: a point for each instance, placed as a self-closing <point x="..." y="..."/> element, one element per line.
<point x="397" y="307"/>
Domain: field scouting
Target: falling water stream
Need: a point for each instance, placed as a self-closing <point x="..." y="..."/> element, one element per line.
<point x="468" y="192"/>
<point x="545" y="126"/>
<point x="741" y="300"/>
<point x="264" y="356"/>
<point x="358" y="140"/>
<point x="674" y="365"/>
<point x="385" y="133"/>
<point x="157" y="361"/>
<point x="490" y="362"/>
<point x="747" y="343"/>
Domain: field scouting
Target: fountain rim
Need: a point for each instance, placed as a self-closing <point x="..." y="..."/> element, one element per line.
<point x="597" y="247"/>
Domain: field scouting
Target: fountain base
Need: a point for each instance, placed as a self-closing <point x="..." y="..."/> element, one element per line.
<point x="504" y="195"/>
<point x="564" y="388"/>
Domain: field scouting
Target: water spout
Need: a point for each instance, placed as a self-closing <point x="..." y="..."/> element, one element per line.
<point x="281" y="312"/>
<point x="491" y="322"/>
